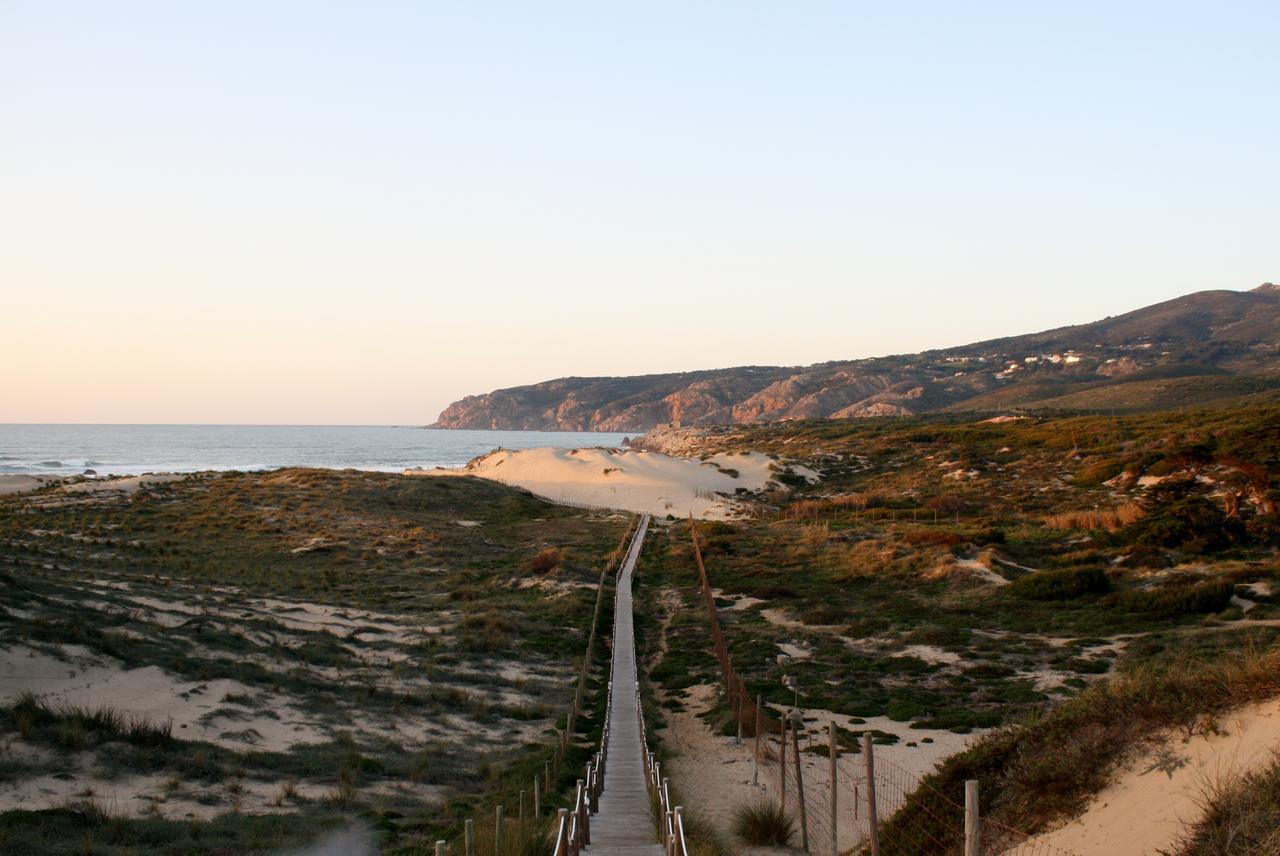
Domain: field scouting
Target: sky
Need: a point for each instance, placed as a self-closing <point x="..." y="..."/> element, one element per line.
<point x="355" y="213"/>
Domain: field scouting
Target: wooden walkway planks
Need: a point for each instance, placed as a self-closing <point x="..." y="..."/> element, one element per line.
<point x="624" y="825"/>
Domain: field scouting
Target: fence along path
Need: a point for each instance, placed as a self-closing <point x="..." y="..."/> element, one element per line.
<point x="841" y="804"/>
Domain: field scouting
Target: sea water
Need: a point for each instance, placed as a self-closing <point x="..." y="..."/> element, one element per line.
<point x="134" y="449"/>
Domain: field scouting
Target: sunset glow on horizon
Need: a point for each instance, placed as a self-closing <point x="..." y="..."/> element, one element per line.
<point x="356" y="214"/>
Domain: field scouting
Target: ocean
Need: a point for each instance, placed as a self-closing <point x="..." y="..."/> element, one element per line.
<point x="134" y="449"/>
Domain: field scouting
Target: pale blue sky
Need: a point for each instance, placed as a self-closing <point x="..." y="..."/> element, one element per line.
<point x="310" y="212"/>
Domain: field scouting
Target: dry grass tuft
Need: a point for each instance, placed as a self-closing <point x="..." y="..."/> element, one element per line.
<point x="1109" y="519"/>
<point x="1241" y="817"/>
<point x="763" y="824"/>
<point x="547" y="560"/>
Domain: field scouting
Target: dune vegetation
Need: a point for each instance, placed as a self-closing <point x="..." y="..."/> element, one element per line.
<point x="1062" y="590"/>
<point x="244" y="661"/>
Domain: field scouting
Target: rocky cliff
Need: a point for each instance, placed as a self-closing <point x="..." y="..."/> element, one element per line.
<point x="1232" y="336"/>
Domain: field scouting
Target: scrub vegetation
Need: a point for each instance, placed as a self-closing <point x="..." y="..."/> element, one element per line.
<point x="1026" y="580"/>
<point x="318" y="649"/>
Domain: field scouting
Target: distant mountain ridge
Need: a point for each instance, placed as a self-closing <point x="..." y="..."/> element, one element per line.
<point x="1192" y="348"/>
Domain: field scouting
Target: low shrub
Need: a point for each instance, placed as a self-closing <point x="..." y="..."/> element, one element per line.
<point x="1110" y="519"/>
<point x="1179" y="598"/>
<point x="546" y="561"/>
<point x="763" y="824"/>
<point x="1098" y="472"/>
<point x="823" y="615"/>
<point x="486" y="631"/>
<point x="933" y="538"/>
<point x="1177" y="516"/>
<point x="1065" y="584"/>
<point x="1046" y="769"/>
<point x="1242" y="816"/>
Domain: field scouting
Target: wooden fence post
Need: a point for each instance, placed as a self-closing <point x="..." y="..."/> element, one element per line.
<point x="562" y="833"/>
<point x="835" y="826"/>
<point x="497" y="829"/>
<point x="737" y="714"/>
<point x="755" y="771"/>
<point x="439" y="848"/>
<point x="469" y="836"/>
<point x="537" y="802"/>
<point x="782" y="757"/>
<point x="521" y="814"/>
<point x="873" y="815"/>
<point x="972" y="838"/>
<point x="804" y="816"/>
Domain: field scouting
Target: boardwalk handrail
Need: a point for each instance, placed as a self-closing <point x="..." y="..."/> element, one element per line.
<point x="670" y="819"/>
<point x="573" y="828"/>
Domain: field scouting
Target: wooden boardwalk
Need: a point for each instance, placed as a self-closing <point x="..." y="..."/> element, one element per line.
<point x="624" y="825"/>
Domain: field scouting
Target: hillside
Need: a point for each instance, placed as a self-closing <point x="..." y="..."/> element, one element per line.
<point x="1061" y="607"/>
<point x="1201" y="347"/>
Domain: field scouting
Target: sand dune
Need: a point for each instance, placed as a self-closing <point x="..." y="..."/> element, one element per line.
<point x="21" y="482"/>
<point x="635" y="481"/>
<point x="1155" y="797"/>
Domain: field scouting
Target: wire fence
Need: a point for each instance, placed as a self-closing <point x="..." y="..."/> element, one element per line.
<point x="844" y="798"/>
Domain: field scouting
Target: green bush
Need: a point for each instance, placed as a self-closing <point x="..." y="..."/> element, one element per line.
<point x="1179" y="517"/>
<point x="1065" y="584"/>
<point x="1098" y="472"/>
<point x="1179" y="598"/>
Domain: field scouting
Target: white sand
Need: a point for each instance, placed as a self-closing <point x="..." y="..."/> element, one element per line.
<point x="126" y="484"/>
<point x="153" y="795"/>
<point x="20" y="482"/>
<point x="634" y="481"/>
<point x="1146" y="808"/>
<point x="91" y="681"/>
<point x="976" y="569"/>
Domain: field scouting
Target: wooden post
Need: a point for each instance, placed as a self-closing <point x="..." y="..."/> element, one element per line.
<point x="873" y="816"/>
<point x="521" y="814"/>
<point x="804" y="817"/>
<point x="439" y="848"/>
<point x="546" y="770"/>
<point x="469" y="836"/>
<point x="782" y="755"/>
<point x="972" y="838"/>
<point x="755" y="771"/>
<point x="835" y="826"/>
<point x="562" y="830"/>
<point x="537" y="802"/>
<point x="737" y="714"/>
<point x="497" y="829"/>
